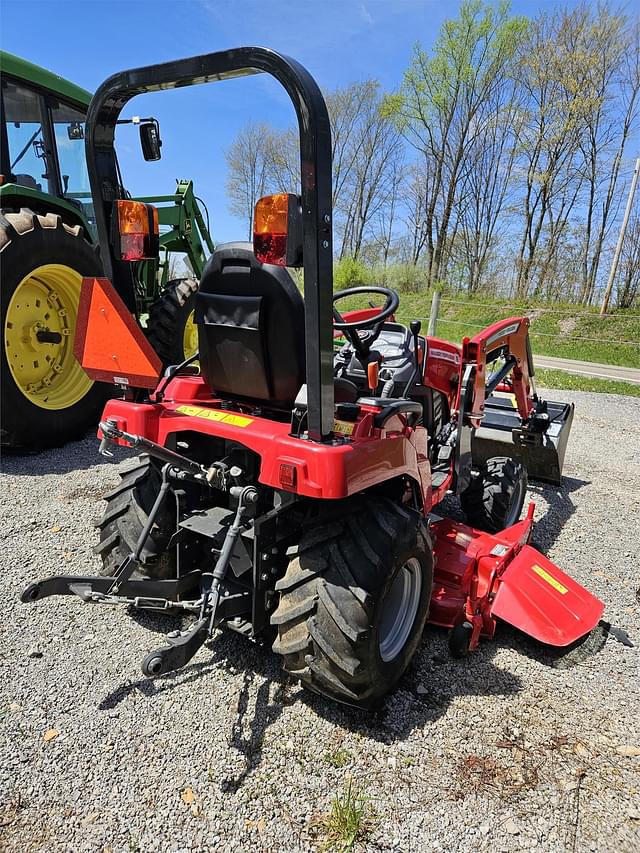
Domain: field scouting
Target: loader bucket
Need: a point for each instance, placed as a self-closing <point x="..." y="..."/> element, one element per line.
<point x="501" y="434"/>
<point x="539" y="599"/>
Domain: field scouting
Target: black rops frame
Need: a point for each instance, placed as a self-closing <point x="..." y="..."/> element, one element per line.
<point x="315" y="169"/>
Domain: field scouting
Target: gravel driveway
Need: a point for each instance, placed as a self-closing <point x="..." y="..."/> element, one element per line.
<point x="497" y="752"/>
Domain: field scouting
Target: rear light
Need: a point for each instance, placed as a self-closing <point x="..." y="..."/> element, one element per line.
<point x="288" y="476"/>
<point x="277" y="230"/>
<point x="137" y="230"/>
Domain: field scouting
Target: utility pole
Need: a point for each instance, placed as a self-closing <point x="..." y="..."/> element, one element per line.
<point x="435" y="308"/>
<point x="623" y="228"/>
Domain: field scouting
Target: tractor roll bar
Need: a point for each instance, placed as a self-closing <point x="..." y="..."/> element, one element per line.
<point x="315" y="170"/>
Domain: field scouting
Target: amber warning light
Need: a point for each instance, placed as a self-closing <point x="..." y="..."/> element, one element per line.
<point x="137" y="230"/>
<point x="277" y="230"/>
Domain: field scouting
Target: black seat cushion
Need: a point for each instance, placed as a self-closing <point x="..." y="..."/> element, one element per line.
<point x="250" y="320"/>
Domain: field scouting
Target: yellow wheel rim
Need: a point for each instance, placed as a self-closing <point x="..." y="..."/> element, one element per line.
<point x="190" y="337"/>
<point x="38" y="337"/>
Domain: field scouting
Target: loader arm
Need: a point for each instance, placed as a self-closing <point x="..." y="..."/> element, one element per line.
<point x="508" y="339"/>
<point x="523" y="427"/>
<point x="188" y="232"/>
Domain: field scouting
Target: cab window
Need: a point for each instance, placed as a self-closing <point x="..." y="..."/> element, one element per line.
<point x="24" y="116"/>
<point x="68" y="131"/>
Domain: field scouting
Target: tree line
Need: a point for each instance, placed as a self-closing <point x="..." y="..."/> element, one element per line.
<point x="499" y="165"/>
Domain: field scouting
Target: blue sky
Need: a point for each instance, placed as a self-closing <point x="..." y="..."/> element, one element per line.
<point x="339" y="41"/>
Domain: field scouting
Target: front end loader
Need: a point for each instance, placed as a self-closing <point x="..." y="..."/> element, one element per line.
<point x="288" y="490"/>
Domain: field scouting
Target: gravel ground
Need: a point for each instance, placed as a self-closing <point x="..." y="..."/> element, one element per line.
<point x="499" y="752"/>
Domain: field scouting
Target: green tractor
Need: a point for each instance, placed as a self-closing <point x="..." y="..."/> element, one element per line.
<point x="48" y="242"/>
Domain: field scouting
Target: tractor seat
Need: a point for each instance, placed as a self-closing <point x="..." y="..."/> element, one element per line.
<point x="250" y="320"/>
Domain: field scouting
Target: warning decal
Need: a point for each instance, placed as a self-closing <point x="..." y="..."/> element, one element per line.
<point x="215" y="415"/>
<point x="550" y="579"/>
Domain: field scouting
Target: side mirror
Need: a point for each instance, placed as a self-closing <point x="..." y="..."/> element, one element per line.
<point x="277" y="230"/>
<point x="75" y="130"/>
<point x="150" y="140"/>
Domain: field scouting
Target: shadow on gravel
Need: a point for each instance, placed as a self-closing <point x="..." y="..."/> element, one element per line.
<point x="424" y="694"/>
<point x="560" y="508"/>
<point x="254" y="714"/>
<point x="73" y="456"/>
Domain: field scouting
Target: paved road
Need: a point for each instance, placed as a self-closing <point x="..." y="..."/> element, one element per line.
<point x="587" y="368"/>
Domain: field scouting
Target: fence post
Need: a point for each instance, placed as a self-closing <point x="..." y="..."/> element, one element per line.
<point x="435" y="308"/>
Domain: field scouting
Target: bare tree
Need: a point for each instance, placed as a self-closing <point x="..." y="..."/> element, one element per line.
<point x="612" y="81"/>
<point x="553" y="124"/>
<point x="369" y="179"/>
<point x="485" y="183"/>
<point x="249" y="165"/>
<point x="628" y="290"/>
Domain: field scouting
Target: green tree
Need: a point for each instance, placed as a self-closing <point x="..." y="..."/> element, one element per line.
<point x="439" y="105"/>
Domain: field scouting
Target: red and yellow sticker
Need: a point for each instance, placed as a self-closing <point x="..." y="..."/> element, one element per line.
<point x="343" y="427"/>
<point x="215" y="415"/>
<point x="550" y="579"/>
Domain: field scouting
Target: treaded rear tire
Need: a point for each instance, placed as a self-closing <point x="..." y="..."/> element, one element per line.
<point x="331" y="600"/>
<point x="495" y="497"/>
<point x="29" y="240"/>
<point x="126" y="513"/>
<point x="168" y="317"/>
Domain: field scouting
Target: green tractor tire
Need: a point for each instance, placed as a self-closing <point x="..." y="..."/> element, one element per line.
<point x="171" y="329"/>
<point x="47" y="398"/>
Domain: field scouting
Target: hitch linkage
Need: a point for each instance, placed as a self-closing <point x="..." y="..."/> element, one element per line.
<point x="123" y="589"/>
<point x="184" y="644"/>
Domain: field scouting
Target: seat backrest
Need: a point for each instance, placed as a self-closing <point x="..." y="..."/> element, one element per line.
<point x="250" y="320"/>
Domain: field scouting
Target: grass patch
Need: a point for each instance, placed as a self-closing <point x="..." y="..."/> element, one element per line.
<point x="572" y="382"/>
<point x="558" y="329"/>
<point x="348" y="822"/>
<point x="337" y="757"/>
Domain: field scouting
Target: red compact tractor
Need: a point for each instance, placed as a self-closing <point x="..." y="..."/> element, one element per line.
<point x="288" y="481"/>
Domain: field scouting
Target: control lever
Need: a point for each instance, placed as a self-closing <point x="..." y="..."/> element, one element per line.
<point x="415" y="327"/>
<point x="415" y="378"/>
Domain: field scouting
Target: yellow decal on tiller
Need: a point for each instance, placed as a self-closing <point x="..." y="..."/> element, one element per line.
<point x="550" y="579"/>
<point x="215" y="415"/>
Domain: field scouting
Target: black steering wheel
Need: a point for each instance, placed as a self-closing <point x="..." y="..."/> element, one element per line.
<point x="353" y="330"/>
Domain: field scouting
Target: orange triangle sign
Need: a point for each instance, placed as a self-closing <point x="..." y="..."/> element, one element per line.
<point x="109" y="344"/>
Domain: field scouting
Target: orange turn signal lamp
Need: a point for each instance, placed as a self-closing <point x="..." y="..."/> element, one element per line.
<point x="136" y="229"/>
<point x="277" y="230"/>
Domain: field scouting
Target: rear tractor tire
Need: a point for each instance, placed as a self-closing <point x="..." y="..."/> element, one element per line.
<point x="354" y="601"/>
<point x="126" y="513"/>
<point x="495" y="497"/>
<point x="171" y="328"/>
<point x="47" y="398"/>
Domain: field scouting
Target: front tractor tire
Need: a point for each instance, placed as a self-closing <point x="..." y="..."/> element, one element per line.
<point x="354" y="601"/>
<point x="495" y="497"/>
<point x="47" y="398"/>
<point x="171" y="329"/>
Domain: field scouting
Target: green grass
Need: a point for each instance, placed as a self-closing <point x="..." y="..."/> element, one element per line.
<point x="571" y="382"/>
<point x="348" y="822"/>
<point x="338" y="757"/>
<point x="573" y="332"/>
<point x="584" y="335"/>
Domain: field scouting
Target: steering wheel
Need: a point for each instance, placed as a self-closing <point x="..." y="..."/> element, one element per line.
<point x="353" y="330"/>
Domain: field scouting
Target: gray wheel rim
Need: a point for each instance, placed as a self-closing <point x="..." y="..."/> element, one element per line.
<point x="399" y="609"/>
<point x="514" y="507"/>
